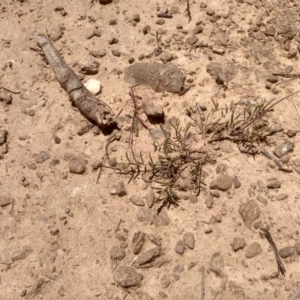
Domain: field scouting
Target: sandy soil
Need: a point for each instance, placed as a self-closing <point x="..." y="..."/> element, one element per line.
<point x="58" y="228"/>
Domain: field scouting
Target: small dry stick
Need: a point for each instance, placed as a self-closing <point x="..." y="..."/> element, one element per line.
<point x="295" y="296"/>
<point x="9" y="90"/>
<point x="202" y="283"/>
<point x="188" y="11"/>
<point x="117" y="228"/>
<point x="281" y="268"/>
<point x="297" y="109"/>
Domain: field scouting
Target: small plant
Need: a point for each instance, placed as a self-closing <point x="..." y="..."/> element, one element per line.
<point x="234" y="122"/>
<point x="174" y="156"/>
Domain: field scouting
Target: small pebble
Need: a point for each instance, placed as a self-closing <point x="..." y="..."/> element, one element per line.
<point x="160" y="21"/>
<point x="180" y="246"/>
<point x="189" y="240"/>
<point x="137" y="200"/>
<point x="77" y="166"/>
<point x="210" y="11"/>
<point x="287" y="251"/>
<point x="42" y="157"/>
<point x="116" y="53"/>
<point x="120" y="189"/>
<point x="280" y="197"/>
<point x="253" y="250"/>
<point x="238" y="243"/>
<point x="274" y="183"/>
<point x="217" y="263"/>
<point x="3" y="136"/>
<point x="192" y="40"/>
<point x="297" y="247"/>
<point x="113" y="40"/>
<point x="165" y="281"/>
<point x="31" y="112"/>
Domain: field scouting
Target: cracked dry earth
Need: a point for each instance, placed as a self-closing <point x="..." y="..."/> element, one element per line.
<point x="65" y="236"/>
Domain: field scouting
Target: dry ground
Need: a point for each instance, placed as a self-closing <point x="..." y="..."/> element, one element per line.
<point x="57" y="228"/>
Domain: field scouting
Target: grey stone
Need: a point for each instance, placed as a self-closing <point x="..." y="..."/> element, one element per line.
<point x="253" y="250"/>
<point x="22" y="253"/>
<point x="274" y="183"/>
<point x="152" y="105"/>
<point x="218" y="50"/>
<point x="160" y="77"/>
<point x="144" y="296"/>
<point x="214" y="69"/>
<point x="161" y="219"/>
<point x="127" y="277"/>
<point x="222" y="182"/>
<point x="77" y="166"/>
<point x="238" y="243"/>
<point x="263" y="200"/>
<point x="178" y="269"/>
<point x="198" y="29"/>
<point x="189" y="240"/>
<point x="160" y="21"/>
<point x="147" y="257"/>
<point x="116" y="53"/>
<point x="280" y="197"/>
<point x="42" y="157"/>
<point x="297" y="247"/>
<point x="166" y="57"/>
<point x="3" y="136"/>
<point x="88" y="66"/>
<point x="249" y="212"/>
<point x="192" y="40"/>
<point x="179" y="247"/>
<point x="97" y="53"/>
<point x="137" y="200"/>
<point x="145" y="214"/>
<point x="5" y="97"/>
<point x="287" y="251"/>
<point x="165" y="281"/>
<point x="236" y="182"/>
<point x="120" y="189"/>
<point x="150" y="196"/>
<point x="5" y="200"/>
<point x="138" y="241"/>
<point x="113" y="40"/>
<point x="117" y="253"/>
<point x="284" y="149"/>
<point x="210" y="11"/>
<point x="217" y="263"/>
<point x="270" y="31"/>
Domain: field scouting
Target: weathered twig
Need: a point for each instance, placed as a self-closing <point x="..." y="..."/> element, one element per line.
<point x="202" y="283"/>
<point x="91" y="107"/>
<point x="188" y="11"/>
<point x="9" y="90"/>
<point x="117" y="228"/>
<point x="281" y="268"/>
<point x="297" y="109"/>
